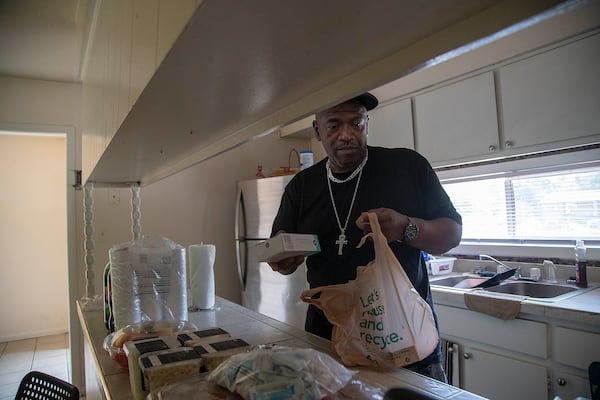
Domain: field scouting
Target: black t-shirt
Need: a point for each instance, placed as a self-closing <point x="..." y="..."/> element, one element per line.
<point x="399" y="179"/>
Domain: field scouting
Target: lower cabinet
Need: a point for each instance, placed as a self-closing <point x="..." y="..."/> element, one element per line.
<point x="498" y="377"/>
<point x="519" y="358"/>
<point x="569" y="386"/>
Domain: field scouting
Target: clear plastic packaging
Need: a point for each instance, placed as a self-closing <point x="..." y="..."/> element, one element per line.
<point x="277" y="372"/>
<point x="148" y="281"/>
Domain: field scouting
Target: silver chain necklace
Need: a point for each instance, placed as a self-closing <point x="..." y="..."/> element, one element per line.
<point x="342" y="237"/>
<point x="352" y="175"/>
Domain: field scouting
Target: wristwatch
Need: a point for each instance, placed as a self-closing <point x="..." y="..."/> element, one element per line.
<point x="411" y="231"/>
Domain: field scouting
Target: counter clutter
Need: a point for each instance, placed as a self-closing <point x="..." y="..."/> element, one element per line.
<point x="105" y="379"/>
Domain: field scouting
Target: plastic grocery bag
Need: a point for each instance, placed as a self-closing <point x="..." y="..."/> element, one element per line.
<point x="379" y="319"/>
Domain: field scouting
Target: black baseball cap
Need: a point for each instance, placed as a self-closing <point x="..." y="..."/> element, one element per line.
<point x="367" y="100"/>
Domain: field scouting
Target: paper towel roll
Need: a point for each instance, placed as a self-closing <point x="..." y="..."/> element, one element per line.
<point x="202" y="283"/>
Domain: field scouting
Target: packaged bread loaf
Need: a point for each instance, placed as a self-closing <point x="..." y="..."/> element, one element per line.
<point x="214" y="353"/>
<point x="190" y="338"/>
<point x="169" y="366"/>
<point x="134" y="349"/>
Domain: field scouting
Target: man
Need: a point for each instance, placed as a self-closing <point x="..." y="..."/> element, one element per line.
<point x="332" y="198"/>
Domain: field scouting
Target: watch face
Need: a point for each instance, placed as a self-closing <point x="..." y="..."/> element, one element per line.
<point x="411" y="231"/>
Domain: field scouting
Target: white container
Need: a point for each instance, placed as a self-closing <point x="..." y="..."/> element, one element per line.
<point x="306" y="159"/>
<point x="440" y="265"/>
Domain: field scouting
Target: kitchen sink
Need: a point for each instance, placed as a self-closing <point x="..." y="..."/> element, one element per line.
<point x="458" y="281"/>
<point x="539" y="291"/>
<point x="544" y="291"/>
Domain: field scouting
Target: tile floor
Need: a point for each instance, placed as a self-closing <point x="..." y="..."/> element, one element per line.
<point x="49" y="354"/>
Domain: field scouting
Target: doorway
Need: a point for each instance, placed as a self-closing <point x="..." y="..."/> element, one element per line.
<point x="33" y="234"/>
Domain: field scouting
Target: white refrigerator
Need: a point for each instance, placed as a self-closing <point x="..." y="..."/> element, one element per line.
<point x="264" y="290"/>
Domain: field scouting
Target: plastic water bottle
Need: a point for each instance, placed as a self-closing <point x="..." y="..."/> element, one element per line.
<point x="580" y="264"/>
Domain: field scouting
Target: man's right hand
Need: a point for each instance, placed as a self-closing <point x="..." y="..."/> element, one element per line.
<point x="287" y="265"/>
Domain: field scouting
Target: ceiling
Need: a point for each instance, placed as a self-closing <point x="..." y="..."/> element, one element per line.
<point x="43" y="39"/>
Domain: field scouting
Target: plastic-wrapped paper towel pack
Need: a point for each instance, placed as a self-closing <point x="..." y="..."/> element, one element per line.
<point x="148" y="281"/>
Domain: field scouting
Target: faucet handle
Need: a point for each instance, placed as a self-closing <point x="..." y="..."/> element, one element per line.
<point x="549" y="265"/>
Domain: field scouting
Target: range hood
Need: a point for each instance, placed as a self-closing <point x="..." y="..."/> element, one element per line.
<point x="243" y="69"/>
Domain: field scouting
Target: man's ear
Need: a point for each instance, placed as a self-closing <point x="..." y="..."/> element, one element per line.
<point x="316" y="130"/>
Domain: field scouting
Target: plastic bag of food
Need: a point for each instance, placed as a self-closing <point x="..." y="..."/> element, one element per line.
<point x="277" y="372"/>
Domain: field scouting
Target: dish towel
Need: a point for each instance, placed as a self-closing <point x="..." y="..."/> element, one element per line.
<point x="499" y="305"/>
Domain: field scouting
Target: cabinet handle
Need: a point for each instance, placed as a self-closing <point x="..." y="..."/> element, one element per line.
<point x="561" y="381"/>
<point x="466" y="356"/>
<point x="492" y="148"/>
<point x="508" y="144"/>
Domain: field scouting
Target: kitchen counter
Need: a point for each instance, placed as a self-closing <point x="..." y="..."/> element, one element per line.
<point x="107" y="380"/>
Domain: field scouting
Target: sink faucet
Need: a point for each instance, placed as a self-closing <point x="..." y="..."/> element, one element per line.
<point x="482" y="256"/>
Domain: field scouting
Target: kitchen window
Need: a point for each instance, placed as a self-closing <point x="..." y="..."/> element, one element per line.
<point x="529" y="208"/>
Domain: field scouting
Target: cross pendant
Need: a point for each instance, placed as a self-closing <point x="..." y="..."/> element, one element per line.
<point x="341" y="242"/>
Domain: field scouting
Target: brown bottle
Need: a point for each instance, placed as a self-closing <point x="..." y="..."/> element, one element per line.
<point x="580" y="264"/>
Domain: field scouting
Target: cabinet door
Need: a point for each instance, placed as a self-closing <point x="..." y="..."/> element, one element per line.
<point x="457" y="121"/>
<point x="552" y="96"/>
<point x="569" y="386"/>
<point x="391" y="125"/>
<point x="498" y="377"/>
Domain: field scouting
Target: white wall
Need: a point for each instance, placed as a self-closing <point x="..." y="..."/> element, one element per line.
<point x="33" y="236"/>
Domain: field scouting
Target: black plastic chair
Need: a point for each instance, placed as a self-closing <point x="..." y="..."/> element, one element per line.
<point x="40" y="386"/>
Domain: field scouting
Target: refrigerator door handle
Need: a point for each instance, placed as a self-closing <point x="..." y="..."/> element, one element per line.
<point x="240" y="219"/>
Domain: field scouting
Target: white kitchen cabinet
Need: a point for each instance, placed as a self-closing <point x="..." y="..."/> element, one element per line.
<point x="573" y="350"/>
<point x="498" y="359"/>
<point x="391" y="125"/>
<point x="519" y="358"/>
<point x="552" y="96"/>
<point x="569" y="386"/>
<point x="458" y="120"/>
<point x="498" y="377"/>
<point x="301" y="128"/>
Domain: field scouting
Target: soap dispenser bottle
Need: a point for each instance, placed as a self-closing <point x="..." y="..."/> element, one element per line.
<point x="580" y="264"/>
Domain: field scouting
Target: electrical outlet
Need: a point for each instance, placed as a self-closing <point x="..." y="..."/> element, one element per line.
<point x="113" y="197"/>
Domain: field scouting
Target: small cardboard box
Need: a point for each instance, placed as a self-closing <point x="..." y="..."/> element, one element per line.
<point x="440" y="265"/>
<point x="286" y="245"/>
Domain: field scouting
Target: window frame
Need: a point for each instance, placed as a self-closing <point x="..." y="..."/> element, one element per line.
<point x="558" y="160"/>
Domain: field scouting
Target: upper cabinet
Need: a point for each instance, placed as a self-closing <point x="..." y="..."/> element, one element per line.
<point x="391" y="125"/>
<point x="458" y="120"/>
<point x="553" y="96"/>
<point x="240" y="69"/>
